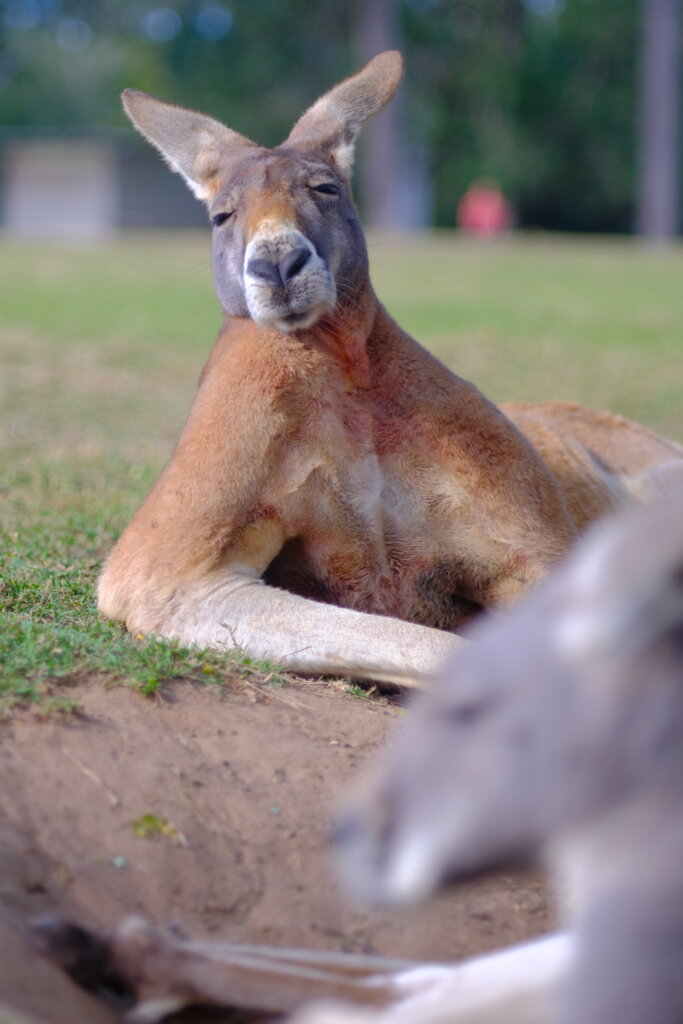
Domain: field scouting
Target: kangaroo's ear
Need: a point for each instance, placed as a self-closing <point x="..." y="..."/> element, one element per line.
<point x="332" y="124"/>
<point x="192" y="143"/>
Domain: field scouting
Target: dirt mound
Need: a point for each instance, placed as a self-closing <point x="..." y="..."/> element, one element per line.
<point x="209" y="811"/>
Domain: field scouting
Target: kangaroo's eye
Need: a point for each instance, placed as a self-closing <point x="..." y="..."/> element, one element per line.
<point x="220" y="218"/>
<point x="327" y="189"/>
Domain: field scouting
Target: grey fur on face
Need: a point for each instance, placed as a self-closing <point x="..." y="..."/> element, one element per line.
<point x="327" y="237"/>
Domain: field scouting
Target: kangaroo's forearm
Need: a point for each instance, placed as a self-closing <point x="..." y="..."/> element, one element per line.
<point x="239" y="613"/>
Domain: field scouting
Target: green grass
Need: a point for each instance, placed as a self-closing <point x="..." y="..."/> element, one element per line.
<point x="60" y="520"/>
<point x="100" y="349"/>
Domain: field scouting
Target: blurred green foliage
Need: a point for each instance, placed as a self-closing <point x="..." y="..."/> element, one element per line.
<point x="538" y="94"/>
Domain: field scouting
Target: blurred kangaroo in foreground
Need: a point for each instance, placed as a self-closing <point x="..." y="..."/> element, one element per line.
<point x="339" y="501"/>
<point x="559" y="733"/>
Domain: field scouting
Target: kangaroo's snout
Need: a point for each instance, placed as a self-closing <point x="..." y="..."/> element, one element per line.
<point x="378" y="864"/>
<point x="287" y="284"/>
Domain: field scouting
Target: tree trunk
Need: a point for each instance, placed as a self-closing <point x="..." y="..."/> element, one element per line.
<point x="658" y="165"/>
<point x="394" y="181"/>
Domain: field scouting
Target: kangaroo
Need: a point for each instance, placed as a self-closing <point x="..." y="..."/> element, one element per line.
<point x="562" y="738"/>
<point x="339" y="501"/>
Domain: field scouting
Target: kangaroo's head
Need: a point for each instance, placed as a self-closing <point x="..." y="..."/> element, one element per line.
<point x="288" y="246"/>
<point x="558" y="713"/>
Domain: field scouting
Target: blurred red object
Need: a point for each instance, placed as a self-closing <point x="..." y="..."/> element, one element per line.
<point x="484" y="210"/>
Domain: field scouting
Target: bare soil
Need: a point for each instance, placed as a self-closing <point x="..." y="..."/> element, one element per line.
<point x="242" y="783"/>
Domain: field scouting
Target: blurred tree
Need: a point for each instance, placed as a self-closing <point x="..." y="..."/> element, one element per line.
<point x="254" y="64"/>
<point x="657" y="215"/>
<point x="393" y="175"/>
<point x="377" y="29"/>
<point x="538" y="94"/>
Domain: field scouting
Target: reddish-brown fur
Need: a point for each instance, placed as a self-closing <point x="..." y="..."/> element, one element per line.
<point x="336" y="458"/>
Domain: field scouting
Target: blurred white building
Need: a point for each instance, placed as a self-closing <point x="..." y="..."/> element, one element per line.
<point x="73" y="185"/>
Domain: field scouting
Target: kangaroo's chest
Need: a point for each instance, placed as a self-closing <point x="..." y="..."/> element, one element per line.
<point x="380" y="530"/>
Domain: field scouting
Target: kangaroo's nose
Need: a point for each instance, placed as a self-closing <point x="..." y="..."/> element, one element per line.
<point x="283" y="272"/>
<point x="266" y="270"/>
<point x="294" y="262"/>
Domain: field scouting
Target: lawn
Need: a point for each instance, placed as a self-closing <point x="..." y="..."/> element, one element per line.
<point x="100" y="349"/>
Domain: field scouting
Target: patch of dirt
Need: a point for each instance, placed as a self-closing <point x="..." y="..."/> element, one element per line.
<point x="240" y="784"/>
